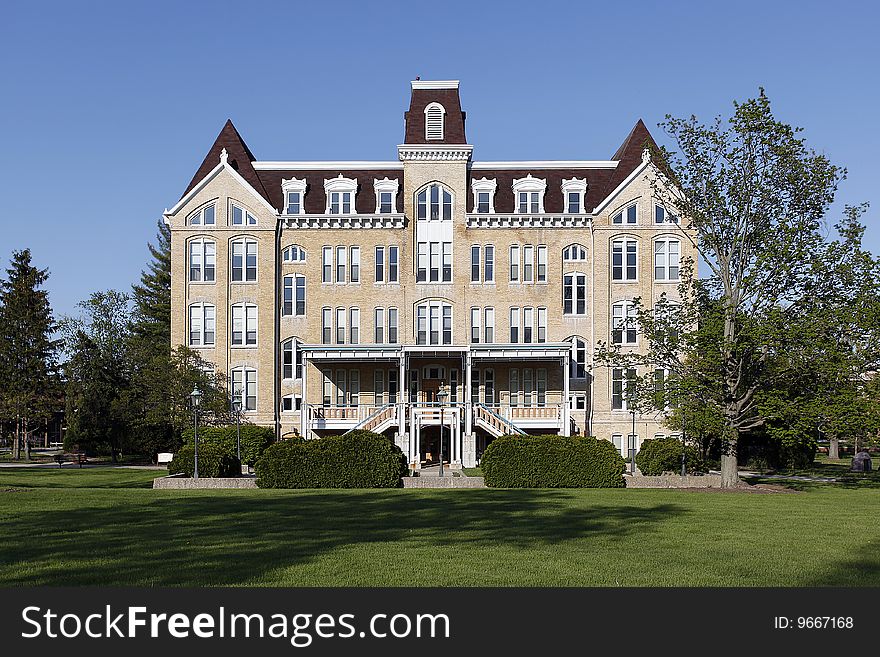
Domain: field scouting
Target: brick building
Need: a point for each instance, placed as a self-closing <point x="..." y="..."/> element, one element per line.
<point x="346" y="294"/>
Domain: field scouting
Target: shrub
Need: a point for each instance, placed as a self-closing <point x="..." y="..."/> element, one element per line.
<point x="254" y="440"/>
<point x="660" y="455"/>
<point x="359" y="459"/>
<point x="213" y="462"/>
<point x="552" y="462"/>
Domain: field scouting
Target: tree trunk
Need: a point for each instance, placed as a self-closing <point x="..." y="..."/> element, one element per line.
<point x="834" y="448"/>
<point x="27" y="444"/>
<point x="16" y="441"/>
<point x="729" y="466"/>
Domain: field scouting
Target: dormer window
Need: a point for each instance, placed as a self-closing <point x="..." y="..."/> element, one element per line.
<point x="294" y="192"/>
<point x="386" y="195"/>
<point x="574" y="191"/>
<point x="434" y="116"/>
<point x="626" y="216"/>
<point x="241" y="217"/>
<point x="529" y="193"/>
<point x="340" y="195"/>
<point x="203" y="217"/>
<point x="484" y="195"/>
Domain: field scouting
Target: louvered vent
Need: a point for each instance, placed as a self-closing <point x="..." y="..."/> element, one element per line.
<point x="434" y="121"/>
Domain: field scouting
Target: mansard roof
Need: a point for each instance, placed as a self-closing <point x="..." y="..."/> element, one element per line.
<point x="423" y="94"/>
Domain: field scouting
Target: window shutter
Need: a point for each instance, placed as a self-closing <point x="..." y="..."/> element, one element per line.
<point x="434" y="122"/>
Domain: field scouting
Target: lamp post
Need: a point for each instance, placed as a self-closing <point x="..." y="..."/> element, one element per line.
<point x="683" y="445"/>
<point x="632" y="445"/>
<point x="442" y="394"/>
<point x="236" y="408"/>
<point x="196" y="399"/>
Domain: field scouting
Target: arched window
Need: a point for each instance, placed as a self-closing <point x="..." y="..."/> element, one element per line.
<point x="578" y="360"/>
<point x="241" y="217"/>
<point x="243" y="252"/>
<point x="202" y="217"/>
<point x="202" y="260"/>
<point x="434" y="115"/>
<point x="433" y="322"/>
<point x="574" y="253"/>
<point x="434" y="203"/>
<point x="293" y="253"/>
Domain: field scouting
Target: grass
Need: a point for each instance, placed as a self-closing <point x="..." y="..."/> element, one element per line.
<point x="99" y="526"/>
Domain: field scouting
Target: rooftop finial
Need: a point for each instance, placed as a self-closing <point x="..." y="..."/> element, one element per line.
<point x="223" y="156"/>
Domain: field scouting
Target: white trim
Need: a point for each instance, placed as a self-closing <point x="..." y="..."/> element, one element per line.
<point x="343" y="185"/>
<point x="213" y="174"/>
<point x="578" y="186"/>
<point x="513" y="220"/>
<point x="626" y="181"/>
<point x="435" y="84"/>
<point x="547" y="164"/>
<point x="386" y="185"/>
<point x="287" y="165"/>
<point x="529" y="185"/>
<point x="440" y="152"/>
<point x="428" y="108"/>
<point x="294" y="185"/>
<point x="484" y="185"/>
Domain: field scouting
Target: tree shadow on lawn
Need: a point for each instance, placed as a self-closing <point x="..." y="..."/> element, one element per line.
<point x="858" y="570"/>
<point x="234" y="538"/>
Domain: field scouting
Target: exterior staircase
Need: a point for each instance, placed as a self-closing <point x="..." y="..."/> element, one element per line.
<point x="486" y="418"/>
<point x="379" y="420"/>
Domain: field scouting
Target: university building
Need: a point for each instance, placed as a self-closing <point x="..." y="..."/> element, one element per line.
<point x="341" y="295"/>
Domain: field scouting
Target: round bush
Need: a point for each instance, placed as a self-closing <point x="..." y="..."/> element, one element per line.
<point x="660" y="455"/>
<point x="254" y="440"/>
<point x="213" y="462"/>
<point x="359" y="459"/>
<point x="552" y="462"/>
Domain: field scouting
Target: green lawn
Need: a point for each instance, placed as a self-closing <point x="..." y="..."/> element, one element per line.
<point x="97" y="526"/>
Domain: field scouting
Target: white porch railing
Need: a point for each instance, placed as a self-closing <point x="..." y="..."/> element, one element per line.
<point x="551" y="414"/>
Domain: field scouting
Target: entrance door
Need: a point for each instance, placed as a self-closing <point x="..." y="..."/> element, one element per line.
<point x="429" y="389"/>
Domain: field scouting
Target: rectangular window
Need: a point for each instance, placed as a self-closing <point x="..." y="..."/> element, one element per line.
<point x="475" y="325"/>
<point x="489" y="264"/>
<point x="237" y="261"/>
<point x="421" y="325"/>
<point x="447" y="262"/>
<point x="514" y="263"/>
<point x="542" y="264"/>
<point x="287" y="360"/>
<point x="327" y="265"/>
<point x="528" y="324"/>
<point x="392" y="264"/>
<point x="489" y="386"/>
<point x="631" y="214"/>
<point x="380" y="264"/>
<point x="250" y="390"/>
<point x="293" y="202"/>
<point x="326" y="325"/>
<point x="328" y="389"/>
<point x="514" y="325"/>
<point x="630" y="260"/>
<point x="379" y="387"/>
<point x="434" y="248"/>
<point x="528" y="264"/>
<point x="340" y="264"/>
<point x="574" y="294"/>
<point x="196" y="251"/>
<point x="574" y="202"/>
<point x="619" y="272"/>
<point x="300" y="309"/>
<point x="354" y="325"/>
<point x="340" y="387"/>
<point x="527" y="387"/>
<point x="385" y="203"/>
<point x="475" y="264"/>
<point x="623" y="327"/>
<point x="379" y="324"/>
<point x="447" y="324"/>
<point x="355" y="264"/>
<point x="210" y="261"/>
<point x="523" y="202"/>
<point x="392" y="386"/>
<point x="542" y="325"/>
<point x="208" y="212"/>
<point x="210" y="325"/>
<point x="244" y="325"/>
<point x="475" y="386"/>
<point x="287" y="296"/>
<point x="489" y="325"/>
<point x="392" y="325"/>
<point x="354" y="387"/>
<point x="251" y="261"/>
<point x="422" y="270"/>
<point x="541" y="387"/>
<point x="244" y="261"/>
<point x="483" y="202"/>
<point x="434" y="312"/>
<point x="298" y="360"/>
<point x="514" y="387"/>
<point x="195" y="326"/>
<point x="340" y="326"/>
<point x="617" y="389"/>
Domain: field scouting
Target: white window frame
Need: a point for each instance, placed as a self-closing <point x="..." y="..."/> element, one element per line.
<point x="326" y="325"/>
<point x="489" y="325"/>
<point x="354" y="325"/>
<point x="379" y="325"/>
<point x="529" y="185"/>
<point x="386" y="186"/>
<point x="576" y="278"/>
<point x="625" y="242"/>
<point x="393" y="325"/>
<point x="575" y="186"/>
<point x="578" y="369"/>
<point x="294" y="186"/>
<point x="339" y="315"/>
<point x="476" y="325"/>
<point x="667" y="216"/>
<point x="541" y="263"/>
<point x="199" y="217"/>
<point x="486" y="186"/>
<point x="246" y="243"/>
<point x="574" y="252"/>
<point x="249" y="321"/>
<point x="354" y="264"/>
<point x="665" y="254"/>
<point x="442" y="191"/>
<point x="201" y="326"/>
<point x="514" y="323"/>
<point x="293" y="253"/>
<point x="340" y="185"/>
<point x="327" y="261"/>
<point x="621" y="312"/>
<point x="515" y="269"/>
<point x="247" y="218"/>
<point x="247" y="380"/>
<point x="628" y="215"/>
<point x="202" y="260"/>
<point x="433" y="314"/>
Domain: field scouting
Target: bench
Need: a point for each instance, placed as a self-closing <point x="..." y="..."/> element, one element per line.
<point x="72" y="457"/>
<point x="164" y="458"/>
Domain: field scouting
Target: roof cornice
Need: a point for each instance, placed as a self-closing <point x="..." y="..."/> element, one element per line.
<point x="546" y="164"/>
<point x="366" y="165"/>
<point x="434" y="153"/>
<point x="435" y="84"/>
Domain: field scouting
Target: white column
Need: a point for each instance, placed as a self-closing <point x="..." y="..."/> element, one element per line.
<point x="401" y="399"/>
<point x="304" y="406"/>
<point x="566" y="413"/>
<point x="468" y="402"/>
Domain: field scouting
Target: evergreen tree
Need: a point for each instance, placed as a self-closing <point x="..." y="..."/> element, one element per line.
<point x="152" y="298"/>
<point x="28" y="352"/>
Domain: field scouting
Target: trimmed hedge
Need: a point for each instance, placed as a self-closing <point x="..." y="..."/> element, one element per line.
<point x="213" y="462"/>
<point x="360" y="459"/>
<point x="254" y="440"/>
<point x="552" y="462"/>
<point x="659" y="455"/>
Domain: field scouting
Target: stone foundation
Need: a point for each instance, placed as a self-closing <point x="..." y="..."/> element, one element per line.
<point x="443" y="482"/>
<point x="204" y="482"/>
<point x="673" y="481"/>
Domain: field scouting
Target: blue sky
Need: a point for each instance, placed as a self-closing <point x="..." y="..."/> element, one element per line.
<point x="109" y="108"/>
